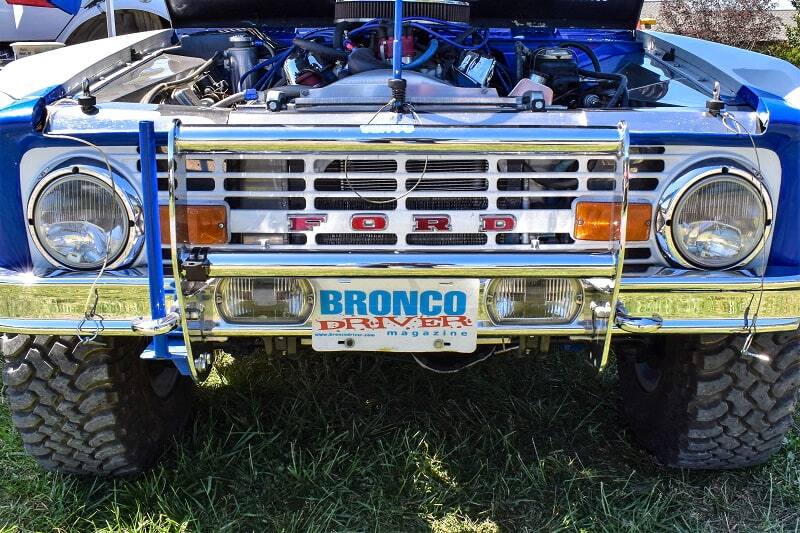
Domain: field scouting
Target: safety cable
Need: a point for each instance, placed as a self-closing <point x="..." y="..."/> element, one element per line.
<point x="93" y="296"/>
<point x="740" y="128"/>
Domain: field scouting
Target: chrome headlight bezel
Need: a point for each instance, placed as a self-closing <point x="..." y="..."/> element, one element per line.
<point x="127" y="197"/>
<point x="677" y="191"/>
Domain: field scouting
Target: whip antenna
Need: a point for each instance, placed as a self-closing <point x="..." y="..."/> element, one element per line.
<point x="397" y="83"/>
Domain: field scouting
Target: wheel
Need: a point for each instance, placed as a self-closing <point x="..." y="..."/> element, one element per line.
<point x="126" y="22"/>
<point x="93" y="408"/>
<point x="697" y="402"/>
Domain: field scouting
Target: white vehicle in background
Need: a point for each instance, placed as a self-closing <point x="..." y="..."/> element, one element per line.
<point x="32" y="21"/>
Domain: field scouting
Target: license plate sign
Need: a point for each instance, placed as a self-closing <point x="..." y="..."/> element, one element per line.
<point x="396" y="315"/>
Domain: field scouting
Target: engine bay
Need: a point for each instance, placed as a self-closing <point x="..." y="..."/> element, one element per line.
<point x="446" y="59"/>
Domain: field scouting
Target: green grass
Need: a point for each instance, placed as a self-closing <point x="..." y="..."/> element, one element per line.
<point x="342" y="443"/>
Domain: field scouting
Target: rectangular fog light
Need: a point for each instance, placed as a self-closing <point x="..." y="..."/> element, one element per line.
<point x="265" y="300"/>
<point x="533" y="300"/>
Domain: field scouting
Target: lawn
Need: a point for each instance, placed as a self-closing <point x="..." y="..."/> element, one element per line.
<point x="345" y="443"/>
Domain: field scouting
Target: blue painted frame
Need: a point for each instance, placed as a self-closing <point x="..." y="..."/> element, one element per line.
<point x="152" y="228"/>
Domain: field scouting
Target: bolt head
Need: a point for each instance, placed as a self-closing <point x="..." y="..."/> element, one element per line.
<point x="201" y="362"/>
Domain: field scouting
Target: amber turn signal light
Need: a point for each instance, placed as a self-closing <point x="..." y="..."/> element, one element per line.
<point x="594" y="221"/>
<point x="196" y="224"/>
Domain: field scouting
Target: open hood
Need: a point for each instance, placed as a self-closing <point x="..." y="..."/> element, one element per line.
<point x="613" y="14"/>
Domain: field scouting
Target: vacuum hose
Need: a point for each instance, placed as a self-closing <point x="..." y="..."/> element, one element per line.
<point x="321" y="49"/>
<point x="424" y="57"/>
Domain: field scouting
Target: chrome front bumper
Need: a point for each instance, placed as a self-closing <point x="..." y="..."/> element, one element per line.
<point x="685" y="302"/>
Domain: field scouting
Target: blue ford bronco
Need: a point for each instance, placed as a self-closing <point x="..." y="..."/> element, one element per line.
<point x="448" y="179"/>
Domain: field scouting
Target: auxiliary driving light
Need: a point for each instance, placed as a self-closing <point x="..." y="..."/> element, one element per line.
<point x="265" y="300"/>
<point x="719" y="218"/>
<point x="533" y="300"/>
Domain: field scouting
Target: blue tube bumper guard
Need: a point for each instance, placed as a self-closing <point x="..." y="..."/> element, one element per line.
<point x="152" y="224"/>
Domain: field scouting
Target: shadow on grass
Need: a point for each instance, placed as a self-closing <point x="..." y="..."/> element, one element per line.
<point x="342" y="443"/>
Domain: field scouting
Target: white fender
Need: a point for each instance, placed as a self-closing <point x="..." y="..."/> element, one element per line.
<point x="157" y="7"/>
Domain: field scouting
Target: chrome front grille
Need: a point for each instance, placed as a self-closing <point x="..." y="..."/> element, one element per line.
<point x="539" y="191"/>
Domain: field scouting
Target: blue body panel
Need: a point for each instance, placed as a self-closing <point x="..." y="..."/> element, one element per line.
<point x="783" y="136"/>
<point x="17" y="136"/>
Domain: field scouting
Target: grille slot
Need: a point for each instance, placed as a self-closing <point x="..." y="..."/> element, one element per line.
<point x="447" y="204"/>
<point x="355" y="239"/>
<point x="511" y="239"/>
<point x="602" y="165"/>
<point x="338" y="166"/>
<point x="647" y="165"/>
<point x="535" y="202"/>
<point x="281" y="204"/>
<point x="264" y="184"/>
<point x="644" y="184"/>
<point x="200" y="184"/>
<point x="254" y="165"/>
<point x="538" y="184"/>
<point x="355" y="204"/>
<point x="538" y="166"/>
<point x="357" y="184"/>
<point x="446" y="239"/>
<point x="447" y="184"/>
<point x="433" y="166"/>
<point x="601" y="184"/>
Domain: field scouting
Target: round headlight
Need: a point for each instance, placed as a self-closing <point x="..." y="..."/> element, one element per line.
<point x="80" y="221"/>
<point x="719" y="221"/>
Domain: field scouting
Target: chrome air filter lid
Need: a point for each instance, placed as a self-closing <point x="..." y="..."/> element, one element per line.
<point x="364" y="10"/>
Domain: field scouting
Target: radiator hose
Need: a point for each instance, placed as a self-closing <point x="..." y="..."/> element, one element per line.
<point x="620" y="95"/>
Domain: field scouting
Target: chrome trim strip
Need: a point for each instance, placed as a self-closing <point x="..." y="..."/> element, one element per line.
<point x="666" y="279"/>
<point x="63" y="296"/>
<point x="633" y="324"/>
<point x="405" y="265"/>
<point x="689" y="327"/>
<point x="55" y="305"/>
<point x="24" y="326"/>
<point x="394" y="139"/>
<point x="122" y="328"/>
<point x="156" y="326"/>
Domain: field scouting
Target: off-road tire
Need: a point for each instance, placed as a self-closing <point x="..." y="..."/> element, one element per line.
<point x="127" y="21"/>
<point x="90" y="408"/>
<point x="712" y="407"/>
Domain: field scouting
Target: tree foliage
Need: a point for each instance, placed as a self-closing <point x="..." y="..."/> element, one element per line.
<point x="790" y="50"/>
<point x="740" y="23"/>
